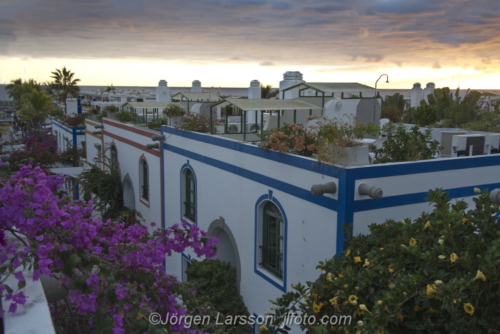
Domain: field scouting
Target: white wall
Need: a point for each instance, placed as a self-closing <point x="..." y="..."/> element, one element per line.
<point x="130" y="147"/>
<point x="227" y="188"/>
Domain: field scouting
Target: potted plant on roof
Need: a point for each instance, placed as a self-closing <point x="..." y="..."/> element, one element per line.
<point x="173" y="112"/>
<point x="339" y="141"/>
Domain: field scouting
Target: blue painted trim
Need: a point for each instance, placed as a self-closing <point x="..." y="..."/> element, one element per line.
<point x="416" y="198"/>
<point x="425" y="166"/>
<point x="188" y="259"/>
<point x="288" y="188"/>
<point x="162" y="189"/>
<point x="288" y="159"/>
<point x="63" y="127"/>
<point x="365" y="172"/>
<point x="187" y="165"/>
<point x="345" y="214"/>
<point x="77" y="194"/>
<point x="74" y="137"/>
<point x="269" y="197"/>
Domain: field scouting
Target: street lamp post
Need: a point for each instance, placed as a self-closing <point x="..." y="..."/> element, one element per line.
<point x="377" y="82"/>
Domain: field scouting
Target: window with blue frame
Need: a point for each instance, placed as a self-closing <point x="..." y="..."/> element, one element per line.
<point x="272" y="240"/>
<point x="144" y="179"/>
<point x="189" y="195"/>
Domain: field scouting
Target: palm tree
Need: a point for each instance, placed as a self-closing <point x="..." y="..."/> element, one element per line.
<point x="268" y="91"/>
<point x="35" y="108"/>
<point x="66" y="84"/>
<point x="17" y="88"/>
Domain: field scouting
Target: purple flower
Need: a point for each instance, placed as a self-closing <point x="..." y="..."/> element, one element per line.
<point x="19" y="276"/>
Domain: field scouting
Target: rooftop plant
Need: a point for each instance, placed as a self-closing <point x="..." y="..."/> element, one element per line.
<point x="405" y="145"/>
<point x="194" y="122"/>
<point x="174" y="110"/>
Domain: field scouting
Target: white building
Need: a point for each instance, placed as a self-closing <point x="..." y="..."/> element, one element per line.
<point x="259" y="203"/>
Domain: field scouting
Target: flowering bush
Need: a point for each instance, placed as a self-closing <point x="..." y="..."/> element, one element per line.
<point x="40" y="150"/>
<point x="113" y="271"/>
<point x="439" y="274"/>
<point x="75" y="119"/>
<point x="292" y="138"/>
<point x="194" y="122"/>
<point x="174" y="110"/>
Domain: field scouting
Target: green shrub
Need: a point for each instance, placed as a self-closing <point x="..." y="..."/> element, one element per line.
<point x="404" y="145"/>
<point x="111" y="108"/>
<point x="125" y="116"/>
<point x="214" y="282"/>
<point x="157" y="123"/>
<point x="439" y="274"/>
<point x="393" y="114"/>
<point x="425" y="115"/>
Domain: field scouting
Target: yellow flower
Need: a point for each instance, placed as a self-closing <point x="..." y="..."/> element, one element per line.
<point x="315" y="296"/>
<point x="400" y="316"/>
<point x="360" y="312"/>
<point x="390" y="270"/>
<point x="353" y="299"/>
<point x="381" y="248"/>
<point x="464" y="220"/>
<point x="380" y="302"/>
<point x="357" y="259"/>
<point x="469" y="309"/>
<point x="442" y="257"/>
<point x="341" y="275"/>
<point x="431" y="289"/>
<point x="413" y="242"/>
<point x="329" y="277"/>
<point x="454" y="257"/>
<point x="363" y="308"/>
<point x="345" y="286"/>
<point x="417" y="308"/>
<point x="477" y="190"/>
<point x="334" y="300"/>
<point x="367" y="263"/>
<point x="348" y="252"/>
<point x="346" y="330"/>
<point x="317" y="307"/>
<point x="263" y="327"/>
<point x="427" y="225"/>
<point x="480" y="275"/>
<point x="440" y="241"/>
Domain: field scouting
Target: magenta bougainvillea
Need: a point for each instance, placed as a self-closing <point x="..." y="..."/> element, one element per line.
<point x="111" y="270"/>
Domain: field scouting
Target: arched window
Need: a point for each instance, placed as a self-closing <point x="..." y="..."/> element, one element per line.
<point x="144" y="179"/>
<point x="114" y="157"/>
<point x="272" y="244"/>
<point x="189" y="195"/>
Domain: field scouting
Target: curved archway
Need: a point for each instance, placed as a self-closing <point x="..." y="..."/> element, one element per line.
<point x="128" y="193"/>
<point x="227" y="250"/>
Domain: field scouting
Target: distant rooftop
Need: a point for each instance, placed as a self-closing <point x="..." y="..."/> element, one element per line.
<point x="332" y="87"/>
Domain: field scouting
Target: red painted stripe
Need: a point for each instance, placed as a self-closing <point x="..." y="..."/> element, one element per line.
<point x="129" y="128"/>
<point x="132" y="143"/>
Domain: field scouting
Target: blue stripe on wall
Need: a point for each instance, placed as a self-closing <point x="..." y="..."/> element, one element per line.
<point x="289" y="159"/>
<point x="288" y="188"/>
<point x="425" y="166"/>
<point x="65" y="128"/>
<point x="415" y="198"/>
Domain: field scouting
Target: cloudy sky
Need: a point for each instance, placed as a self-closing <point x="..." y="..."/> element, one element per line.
<point x="230" y="42"/>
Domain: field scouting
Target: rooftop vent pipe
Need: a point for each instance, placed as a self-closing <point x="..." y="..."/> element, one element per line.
<point x="321" y="189"/>
<point x="373" y="192"/>
<point x="157" y="137"/>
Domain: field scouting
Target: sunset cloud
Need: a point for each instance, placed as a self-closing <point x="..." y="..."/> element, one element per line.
<point x="382" y="33"/>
